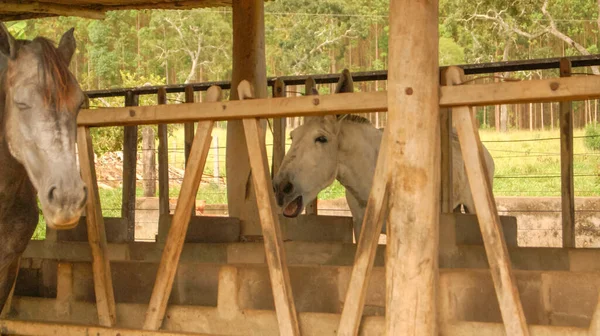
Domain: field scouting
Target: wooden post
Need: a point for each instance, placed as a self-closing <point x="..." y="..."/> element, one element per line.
<point x="248" y="64"/>
<point x="179" y="225"/>
<point x="105" y="300"/>
<point x="188" y="137"/>
<point x="414" y="163"/>
<point x="163" y="160"/>
<point x="446" y="151"/>
<point x="487" y="214"/>
<point x="188" y="128"/>
<point x="278" y="130"/>
<point x="310" y="88"/>
<point x="149" y="161"/>
<point x="269" y="220"/>
<point x="129" y="170"/>
<point x="595" y="324"/>
<point x="566" y="164"/>
<point x="375" y="213"/>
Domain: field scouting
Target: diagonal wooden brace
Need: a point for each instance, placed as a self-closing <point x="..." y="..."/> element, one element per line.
<point x="505" y="283"/>
<point x="181" y="218"/>
<point x="274" y="250"/>
<point x="105" y="299"/>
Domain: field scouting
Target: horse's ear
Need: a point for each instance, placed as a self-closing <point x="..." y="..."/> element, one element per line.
<point x="67" y="45"/>
<point x="7" y="43"/>
<point x="345" y="84"/>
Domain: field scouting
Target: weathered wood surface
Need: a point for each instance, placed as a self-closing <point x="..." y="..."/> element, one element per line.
<point x="31" y="328"/>
<point x="103" y="287"/>
<point x="249" y="63"/>
<point x="310" y="89"/>
<point x="566" y="164"/>
<point x="487" y="214"/>
<point x="287" y="316"/>
<point x="366" y="250"/>
<point x="542" y="90"/>
<point x="446" y="151"/>
<point x="493" y="238"/>
<point x="18" y="10"/>
<point x="176" y="237"/>
<point x="278" y="130"/>
<point x="130" y="134"/>
<point x="414" y="163"/>
<point x="163" y="160"/>
<point x="188" y="133"/>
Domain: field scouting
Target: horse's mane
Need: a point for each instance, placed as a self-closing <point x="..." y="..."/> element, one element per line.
<point x="354" y="118"/>
<point x="55" y="73"/>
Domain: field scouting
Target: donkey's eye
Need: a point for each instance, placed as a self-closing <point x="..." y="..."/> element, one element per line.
<point x="321" y="139"/>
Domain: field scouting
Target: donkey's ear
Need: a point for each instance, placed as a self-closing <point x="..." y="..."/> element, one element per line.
<point x="67" y="45"/>
<point x="345" y="84"/>
<point x="7" y="43"/>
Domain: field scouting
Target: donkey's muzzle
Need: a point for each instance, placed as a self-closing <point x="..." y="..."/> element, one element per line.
<point x="63" y="203"/>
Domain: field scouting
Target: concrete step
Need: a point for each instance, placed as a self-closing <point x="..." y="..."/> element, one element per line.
<point x="549" y="298"/>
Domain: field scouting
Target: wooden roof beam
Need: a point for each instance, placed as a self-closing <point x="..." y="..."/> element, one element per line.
<point x="45" y="8"/>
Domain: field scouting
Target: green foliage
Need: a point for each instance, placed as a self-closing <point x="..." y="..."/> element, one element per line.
<point x="592" y="139"/>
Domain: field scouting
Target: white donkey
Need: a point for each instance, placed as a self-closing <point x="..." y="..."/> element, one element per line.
<point x="346" y="148"/>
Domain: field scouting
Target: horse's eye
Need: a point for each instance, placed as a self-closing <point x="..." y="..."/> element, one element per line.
<point x="23" y="106"/>
<point x="321" y="139"/>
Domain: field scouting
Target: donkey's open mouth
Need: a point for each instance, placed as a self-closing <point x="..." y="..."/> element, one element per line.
<point x="294" y="208"/>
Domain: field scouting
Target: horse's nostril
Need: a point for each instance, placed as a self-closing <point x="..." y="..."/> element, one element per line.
<point x="288" y="188"/>
<point x="52" y="194"/>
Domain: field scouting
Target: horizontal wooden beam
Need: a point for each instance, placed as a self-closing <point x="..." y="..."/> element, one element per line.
<point x="544" y="90"/>
<point x="50" y="9"/>
<point x="12" y="327"/>
<point x="463" y="328"/>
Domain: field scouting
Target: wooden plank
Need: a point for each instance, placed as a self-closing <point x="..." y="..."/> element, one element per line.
<point x="566" y="164"/>
<point x="414" y="161"/>
<point x="489" y="221"/>
<point x="464" y="328"/>
<point x="103" y="287"/>
<point x="446" y="150"/>
<point x="130" y="137"/>
<point x="163" y="160"/>
<point x="310" y="89"/>
<point x="278" y="130"/>
<point x="541" y="90"/>
<point x="52" y="329"/>
<point x="275" y="253"/>
<point x="364" y="259"/>
<point x="176" y="237"/>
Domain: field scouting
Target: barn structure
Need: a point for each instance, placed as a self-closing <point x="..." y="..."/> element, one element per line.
<point x="440" y="273"/>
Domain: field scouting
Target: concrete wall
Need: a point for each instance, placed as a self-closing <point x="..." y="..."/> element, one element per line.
<point x="538" y="218"/>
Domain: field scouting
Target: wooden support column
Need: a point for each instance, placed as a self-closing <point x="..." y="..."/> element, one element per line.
<point x="414" y="163"/>
<point x="130" y="137"/>
<point x="163" y="159"/>
<point x="505" y="283"/>
<point x="248" y="64"/>
<point x="105" y="300"/>
<point x="566" y="164"/>
<point x="278" y="130"/>
<point x="447" y="189"/>
<point x="285" y="308"/>
<point x="188" y="130"/>
<point x="183" y="212"/>
<point x="310" y="88"/>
